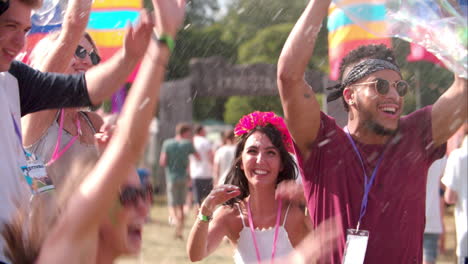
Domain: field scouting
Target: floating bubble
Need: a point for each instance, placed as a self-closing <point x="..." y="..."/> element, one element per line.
<point x="439" y="26"/>
<point x="51" y="13"/>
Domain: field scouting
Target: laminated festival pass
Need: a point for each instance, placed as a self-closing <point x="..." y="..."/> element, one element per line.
<point x="356" y="245"/>
<point x="36" y="175"/>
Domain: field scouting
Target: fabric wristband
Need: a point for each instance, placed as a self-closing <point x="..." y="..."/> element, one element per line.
<point x="165" y="39"/>
<point x="204" y="218"/>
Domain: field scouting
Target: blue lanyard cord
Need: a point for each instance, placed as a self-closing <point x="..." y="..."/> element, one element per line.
<point x="367" y="184"/>
<point x="18" y="133"/>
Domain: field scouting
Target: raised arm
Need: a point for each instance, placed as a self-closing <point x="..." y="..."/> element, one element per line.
<point x="450" y="111"/>
<point x="205" y="236"/>
<point x="301" y="108"/>
<point x="73" y="27"/>
<point x="57" y="60"/>
<point x="99" y="191"/>
<point x="103" y="80"/>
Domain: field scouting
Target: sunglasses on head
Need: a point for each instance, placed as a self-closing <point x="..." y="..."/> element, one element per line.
<point x="382" y="86"/>
<point x="81" y="52"/>
<point x="130" y="195"/>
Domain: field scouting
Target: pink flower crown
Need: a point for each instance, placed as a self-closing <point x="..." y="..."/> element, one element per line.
<point x="248" y="122"/>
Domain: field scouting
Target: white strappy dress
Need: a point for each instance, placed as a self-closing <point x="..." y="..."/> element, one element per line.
<point x="245" y="252"/>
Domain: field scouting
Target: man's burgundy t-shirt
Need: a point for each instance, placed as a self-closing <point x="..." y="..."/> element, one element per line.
<point x="333" y="181"/>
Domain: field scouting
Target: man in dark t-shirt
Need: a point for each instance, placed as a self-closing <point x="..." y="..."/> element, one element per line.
<point x="372" y="174"/>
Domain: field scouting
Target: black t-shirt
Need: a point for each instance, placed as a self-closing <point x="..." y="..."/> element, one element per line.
<point x="39" y="91"/>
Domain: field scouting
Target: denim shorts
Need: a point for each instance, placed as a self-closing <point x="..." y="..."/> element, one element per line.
<point x="430" y="246"/>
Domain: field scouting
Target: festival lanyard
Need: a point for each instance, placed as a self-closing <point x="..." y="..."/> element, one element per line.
<point x="367" y="183"/>
<point x="18" y="134"/>
<point x="275" y="239"/>
<point x="57" y="152"/>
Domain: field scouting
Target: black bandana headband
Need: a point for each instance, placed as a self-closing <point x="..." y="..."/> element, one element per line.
<point x="358" y="72"/>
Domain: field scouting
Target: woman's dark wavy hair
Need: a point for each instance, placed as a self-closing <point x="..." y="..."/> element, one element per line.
<point x="237" y="177"/>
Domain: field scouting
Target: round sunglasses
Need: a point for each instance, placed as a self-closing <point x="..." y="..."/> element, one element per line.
<point x="130" y="195"/>
<point x="81" y="53"/>
<point x="382" y="86"/>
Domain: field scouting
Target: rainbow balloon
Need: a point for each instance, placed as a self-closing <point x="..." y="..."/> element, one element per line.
<point x="344" y="35"/>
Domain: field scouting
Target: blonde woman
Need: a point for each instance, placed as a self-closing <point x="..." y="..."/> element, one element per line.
<point x="59" y="136"/>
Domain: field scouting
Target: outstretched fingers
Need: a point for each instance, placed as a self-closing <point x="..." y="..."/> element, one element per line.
<point x="219" y="195"/>
<point x="169" y="15"/>
<point x="138" y="36"/>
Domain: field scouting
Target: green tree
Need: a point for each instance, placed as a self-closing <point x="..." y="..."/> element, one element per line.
<point x="198" y="13"/>
<point x="208" y="108"/>
<point x="265" y="46"/>
<point x="238" y="106"/>
<point x="245" y="17"/>
<point x="198" y="43"/>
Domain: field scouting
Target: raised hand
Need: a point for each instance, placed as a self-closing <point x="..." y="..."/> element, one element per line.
<point x="102" y="138"/>
<point x="291" y="191"/>
<point x="218" y="196"/>
<point x="168" y="15"/>
<point x="137" y="37"/>
<point x="316" y="245"/>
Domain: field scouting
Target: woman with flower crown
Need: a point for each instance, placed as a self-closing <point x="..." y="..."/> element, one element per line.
<point x="259" y="226"/>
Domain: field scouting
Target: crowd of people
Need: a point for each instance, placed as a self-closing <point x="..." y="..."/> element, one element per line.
<point x="368" y="193"/>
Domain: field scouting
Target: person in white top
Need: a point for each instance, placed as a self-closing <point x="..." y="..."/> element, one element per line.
<point x="259" y="226"/>
<point x="433" y="239"/>
<point x="201" y="170"/>
<point x="455" y="180"/>
<point x="224" y="157"/>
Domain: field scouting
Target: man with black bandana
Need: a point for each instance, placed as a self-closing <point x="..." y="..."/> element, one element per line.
<point x="371" y="174"/>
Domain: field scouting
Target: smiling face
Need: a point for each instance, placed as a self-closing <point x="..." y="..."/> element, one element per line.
<point x="121" y="232"/>
<point x="261" y="160"/>
<point x="14" y="24"/>
<point x="79" y="65"/>
<point x="377" y="112"/>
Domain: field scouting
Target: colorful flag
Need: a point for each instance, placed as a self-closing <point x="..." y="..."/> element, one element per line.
<point x="419" y="53"/>
<point x="345" y="35"/>
<point x="108" y="22"/>
<point x="107" y="25"/>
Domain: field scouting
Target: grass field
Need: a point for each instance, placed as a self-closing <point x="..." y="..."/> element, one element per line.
<point x="160" y="247"/>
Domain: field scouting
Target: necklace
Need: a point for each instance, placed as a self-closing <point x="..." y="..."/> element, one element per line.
<point x="254" y="238"/>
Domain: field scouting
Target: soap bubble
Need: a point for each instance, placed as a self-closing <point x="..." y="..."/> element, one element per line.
<point x="437" y="25"/>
